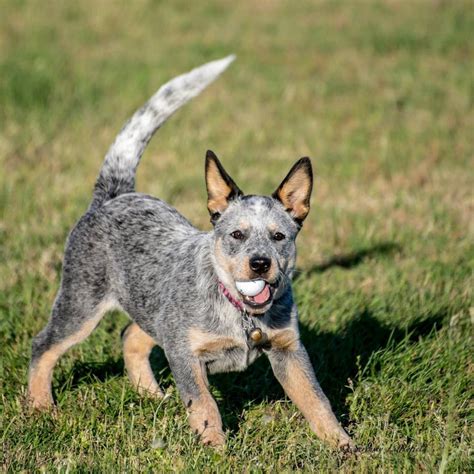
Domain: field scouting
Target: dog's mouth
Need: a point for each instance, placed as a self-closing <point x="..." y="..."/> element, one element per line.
<point x="256" y="293"/>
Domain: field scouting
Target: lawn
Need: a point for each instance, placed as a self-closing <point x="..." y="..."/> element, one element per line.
<point x="380" y="94"/>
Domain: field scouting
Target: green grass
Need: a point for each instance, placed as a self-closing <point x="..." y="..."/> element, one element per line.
<point x="380" y="94"/>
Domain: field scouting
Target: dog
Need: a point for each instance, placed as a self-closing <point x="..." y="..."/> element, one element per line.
<point x="213" y="301"/>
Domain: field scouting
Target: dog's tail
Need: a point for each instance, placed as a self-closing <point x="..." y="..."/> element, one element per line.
<point x="117" y="175"/>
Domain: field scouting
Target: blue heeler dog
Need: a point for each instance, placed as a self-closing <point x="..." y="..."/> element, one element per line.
<point x="213" y="301"/>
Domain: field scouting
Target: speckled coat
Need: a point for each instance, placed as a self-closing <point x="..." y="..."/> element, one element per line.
<point x="136" y="253"/>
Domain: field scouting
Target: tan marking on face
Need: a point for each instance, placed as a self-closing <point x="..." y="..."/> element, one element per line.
<point x="270" y="276"/>
<point x="202" y="342"/>
<point x="226" y="263"/>
<point x="218" y="189"/>
<point x="285" y="339"/>
<point x="137" y="346"/>
<point x="204" y="417"/>
<point x="243" y="272"/>
<point x="313" y="404"/>
<point x="239" y="268"/>
<point x="40" y="375"/>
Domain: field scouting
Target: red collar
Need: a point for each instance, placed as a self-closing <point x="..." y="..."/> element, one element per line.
<point x="236" y="303"/>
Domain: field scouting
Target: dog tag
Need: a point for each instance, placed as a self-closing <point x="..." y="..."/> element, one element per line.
<point x="257" y="338"/>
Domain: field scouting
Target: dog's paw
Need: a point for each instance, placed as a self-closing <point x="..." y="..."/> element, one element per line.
<point x="212" y="437"/>
<point x="153" y="392"/>
<point x="40" y="403"/>
<point x="346" y="445"/>
<point x="205" y="421"/>
<point x="209" y="431"/>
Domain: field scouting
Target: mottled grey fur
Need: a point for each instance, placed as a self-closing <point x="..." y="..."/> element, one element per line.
<point x="136" y="253"/>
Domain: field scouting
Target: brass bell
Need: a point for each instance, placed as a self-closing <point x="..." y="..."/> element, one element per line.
<point x="256" y="335"/>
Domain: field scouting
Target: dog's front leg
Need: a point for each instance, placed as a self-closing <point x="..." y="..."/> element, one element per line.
<point x="204" y="417"/>
<point x="294" y="371"/>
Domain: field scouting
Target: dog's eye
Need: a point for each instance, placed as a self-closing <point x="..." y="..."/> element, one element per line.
<point x="237" y="235"/>
<point x="278" y="236"/>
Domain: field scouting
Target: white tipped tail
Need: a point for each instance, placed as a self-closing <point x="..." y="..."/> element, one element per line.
<point x="117" y="175"/>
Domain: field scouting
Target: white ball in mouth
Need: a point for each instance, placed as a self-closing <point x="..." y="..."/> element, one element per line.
<point x="250" y="288"/>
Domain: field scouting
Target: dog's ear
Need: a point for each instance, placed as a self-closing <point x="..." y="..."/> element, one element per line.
<point x="220" y="187"/>
<point x="295" y="190"/>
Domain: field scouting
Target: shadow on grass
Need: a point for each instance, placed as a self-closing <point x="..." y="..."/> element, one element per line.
<point x="351" y="259"/>
<point x="89" y="372"/>
<point x="336" y="357"/>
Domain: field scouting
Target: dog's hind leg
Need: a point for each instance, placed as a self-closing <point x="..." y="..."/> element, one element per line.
<point x="137" y="346"/>
<point x="72" y="320"/>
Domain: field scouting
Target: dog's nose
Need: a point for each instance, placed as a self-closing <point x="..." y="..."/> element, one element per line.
<point x="260" y="264"/>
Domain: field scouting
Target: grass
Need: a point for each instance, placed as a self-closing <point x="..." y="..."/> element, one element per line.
<point x="380" y="94"/>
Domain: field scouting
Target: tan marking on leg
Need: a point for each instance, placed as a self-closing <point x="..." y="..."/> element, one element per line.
<point x="285" y="339"/>
<point x="204" y="417"/>
<point x="40" y="375"/>
<point x="39" y="380"/>
<point x="202" y="342"/>
<point x="314" y="406"/>
<point x="137" y="346"/>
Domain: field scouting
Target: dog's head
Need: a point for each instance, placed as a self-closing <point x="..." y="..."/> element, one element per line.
<point x="254" y="236"/>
